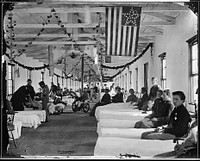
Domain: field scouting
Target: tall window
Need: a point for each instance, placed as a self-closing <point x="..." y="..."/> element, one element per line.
<point x="122" y="82"/>
<point x="28" y="74"/>
<point x="136" y="79"/>
<point x="125" y="82"/>
<point x="193" y="47"/>
<point x="146" y="68"/>
<point x="130" y="79"/>
<point x="10" y="79"/>
<point x="42" y="75"/>
<point x="163" y="70"/>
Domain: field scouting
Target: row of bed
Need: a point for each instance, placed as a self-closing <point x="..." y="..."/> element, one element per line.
<point x="118" y="137"/>
<point x="30" y="118"/>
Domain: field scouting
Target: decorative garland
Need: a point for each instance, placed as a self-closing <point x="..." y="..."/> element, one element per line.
<point x="35" y="68"/>
<point x="27" y="67"/>
<point x="111" y="77"/>
<point x="133" y="61"/>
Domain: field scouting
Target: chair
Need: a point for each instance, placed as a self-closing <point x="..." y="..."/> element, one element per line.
<point x="10" y="125"/>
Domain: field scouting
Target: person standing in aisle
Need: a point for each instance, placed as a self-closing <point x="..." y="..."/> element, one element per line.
<point x="45" y="98"/>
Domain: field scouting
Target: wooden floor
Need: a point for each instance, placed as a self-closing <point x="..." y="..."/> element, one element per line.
<point x="68" y="134"/>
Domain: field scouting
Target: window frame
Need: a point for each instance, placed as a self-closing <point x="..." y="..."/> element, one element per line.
<point x="10" y="78"/>
<point x="192" y="91"/>
<point x="162" y="78"/>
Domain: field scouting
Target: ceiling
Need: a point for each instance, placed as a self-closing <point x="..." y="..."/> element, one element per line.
<point x="72" y="26"/>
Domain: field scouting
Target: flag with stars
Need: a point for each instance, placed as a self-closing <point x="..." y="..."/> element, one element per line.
<point x="122" y="30"/>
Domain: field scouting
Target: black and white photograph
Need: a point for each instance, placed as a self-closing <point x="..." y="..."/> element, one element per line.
<point x="106" y="79"/>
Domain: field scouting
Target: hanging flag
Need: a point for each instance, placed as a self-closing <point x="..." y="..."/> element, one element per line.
<point x="122" y="30"/>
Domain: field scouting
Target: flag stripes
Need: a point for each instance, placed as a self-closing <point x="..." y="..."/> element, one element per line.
<point x="121" y="40"/>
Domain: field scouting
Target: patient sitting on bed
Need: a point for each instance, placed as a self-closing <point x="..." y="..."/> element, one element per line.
<point x="160" y="111"/>
<point x="106" y="99"/>
<point x="132" y="98"/>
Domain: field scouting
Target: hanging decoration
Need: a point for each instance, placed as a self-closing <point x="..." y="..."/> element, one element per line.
<point x="133" y="61"/>
<point x="36" y="68"/>
<point x="109" y="78"/>
<point x="91" y="69"/>
<point x="46" y="21"/>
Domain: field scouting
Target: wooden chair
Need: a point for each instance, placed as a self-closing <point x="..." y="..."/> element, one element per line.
<point x="10" y="125"/>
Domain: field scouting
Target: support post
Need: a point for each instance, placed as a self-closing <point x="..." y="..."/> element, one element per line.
<point x="82" y="72"/>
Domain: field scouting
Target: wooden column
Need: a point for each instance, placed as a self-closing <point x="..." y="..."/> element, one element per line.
<point x="82" y="72"/>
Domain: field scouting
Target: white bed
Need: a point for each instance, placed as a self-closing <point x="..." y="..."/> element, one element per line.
<point x="114" y="146"/>
<point x="17" y="131"/>
<point x="117" y="123"/>
<point x="122" y="115"/>
<point x="41" y="113"/>
<point x="131" y="133"/>
<point x="113" y="107"/>
<point x="58" y="107"/>
<point x="32" y="120"/>
<point x="68" y="99"/>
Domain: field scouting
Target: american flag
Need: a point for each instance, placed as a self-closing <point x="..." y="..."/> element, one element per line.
<point x="122" y="29"/>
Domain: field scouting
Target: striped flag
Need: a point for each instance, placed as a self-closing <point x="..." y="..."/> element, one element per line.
<point x="122" y="29"/>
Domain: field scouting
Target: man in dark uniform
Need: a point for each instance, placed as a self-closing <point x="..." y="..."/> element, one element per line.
<point x="18" y="99"/>
<point x="119" y="95"/>
<point x="178" y="123"/>
<point x="132" y="97"/>
<point x="106" y="99"/>
<point x="29" y="89"/>
<point x="154" y="89"/>
<point x="161" y="111"/>
<point x="152" y="95"/>
<point x="45" y="98"/>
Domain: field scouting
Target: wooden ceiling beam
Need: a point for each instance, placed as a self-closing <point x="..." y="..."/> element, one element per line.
<point x="55" y="35"/>
<point x="150" y="33"/>
<point x="161" y="16"/>
<point x="57" y="42"/>
<point x="149" y="8"/>
<point x="69" y="42"/>
<point x="84" y="25"/>
<point x="141" y="34"/>
<point x="77" y="25"/>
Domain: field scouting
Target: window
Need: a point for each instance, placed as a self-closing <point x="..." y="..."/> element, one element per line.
<point x="42" y="76"/>
<point x="194" y="71"/>
<point x="130" y="79"/>
<point x="125" y="82"/>
<point x="10" y="79"/>
<point x="28" y="74"/>
<point x="193" y="47"/>
<point x="146" y="67"/>
<point x="163" y="70"/>
<point x="122" y="82"/>
<point x="136" y="81"/>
